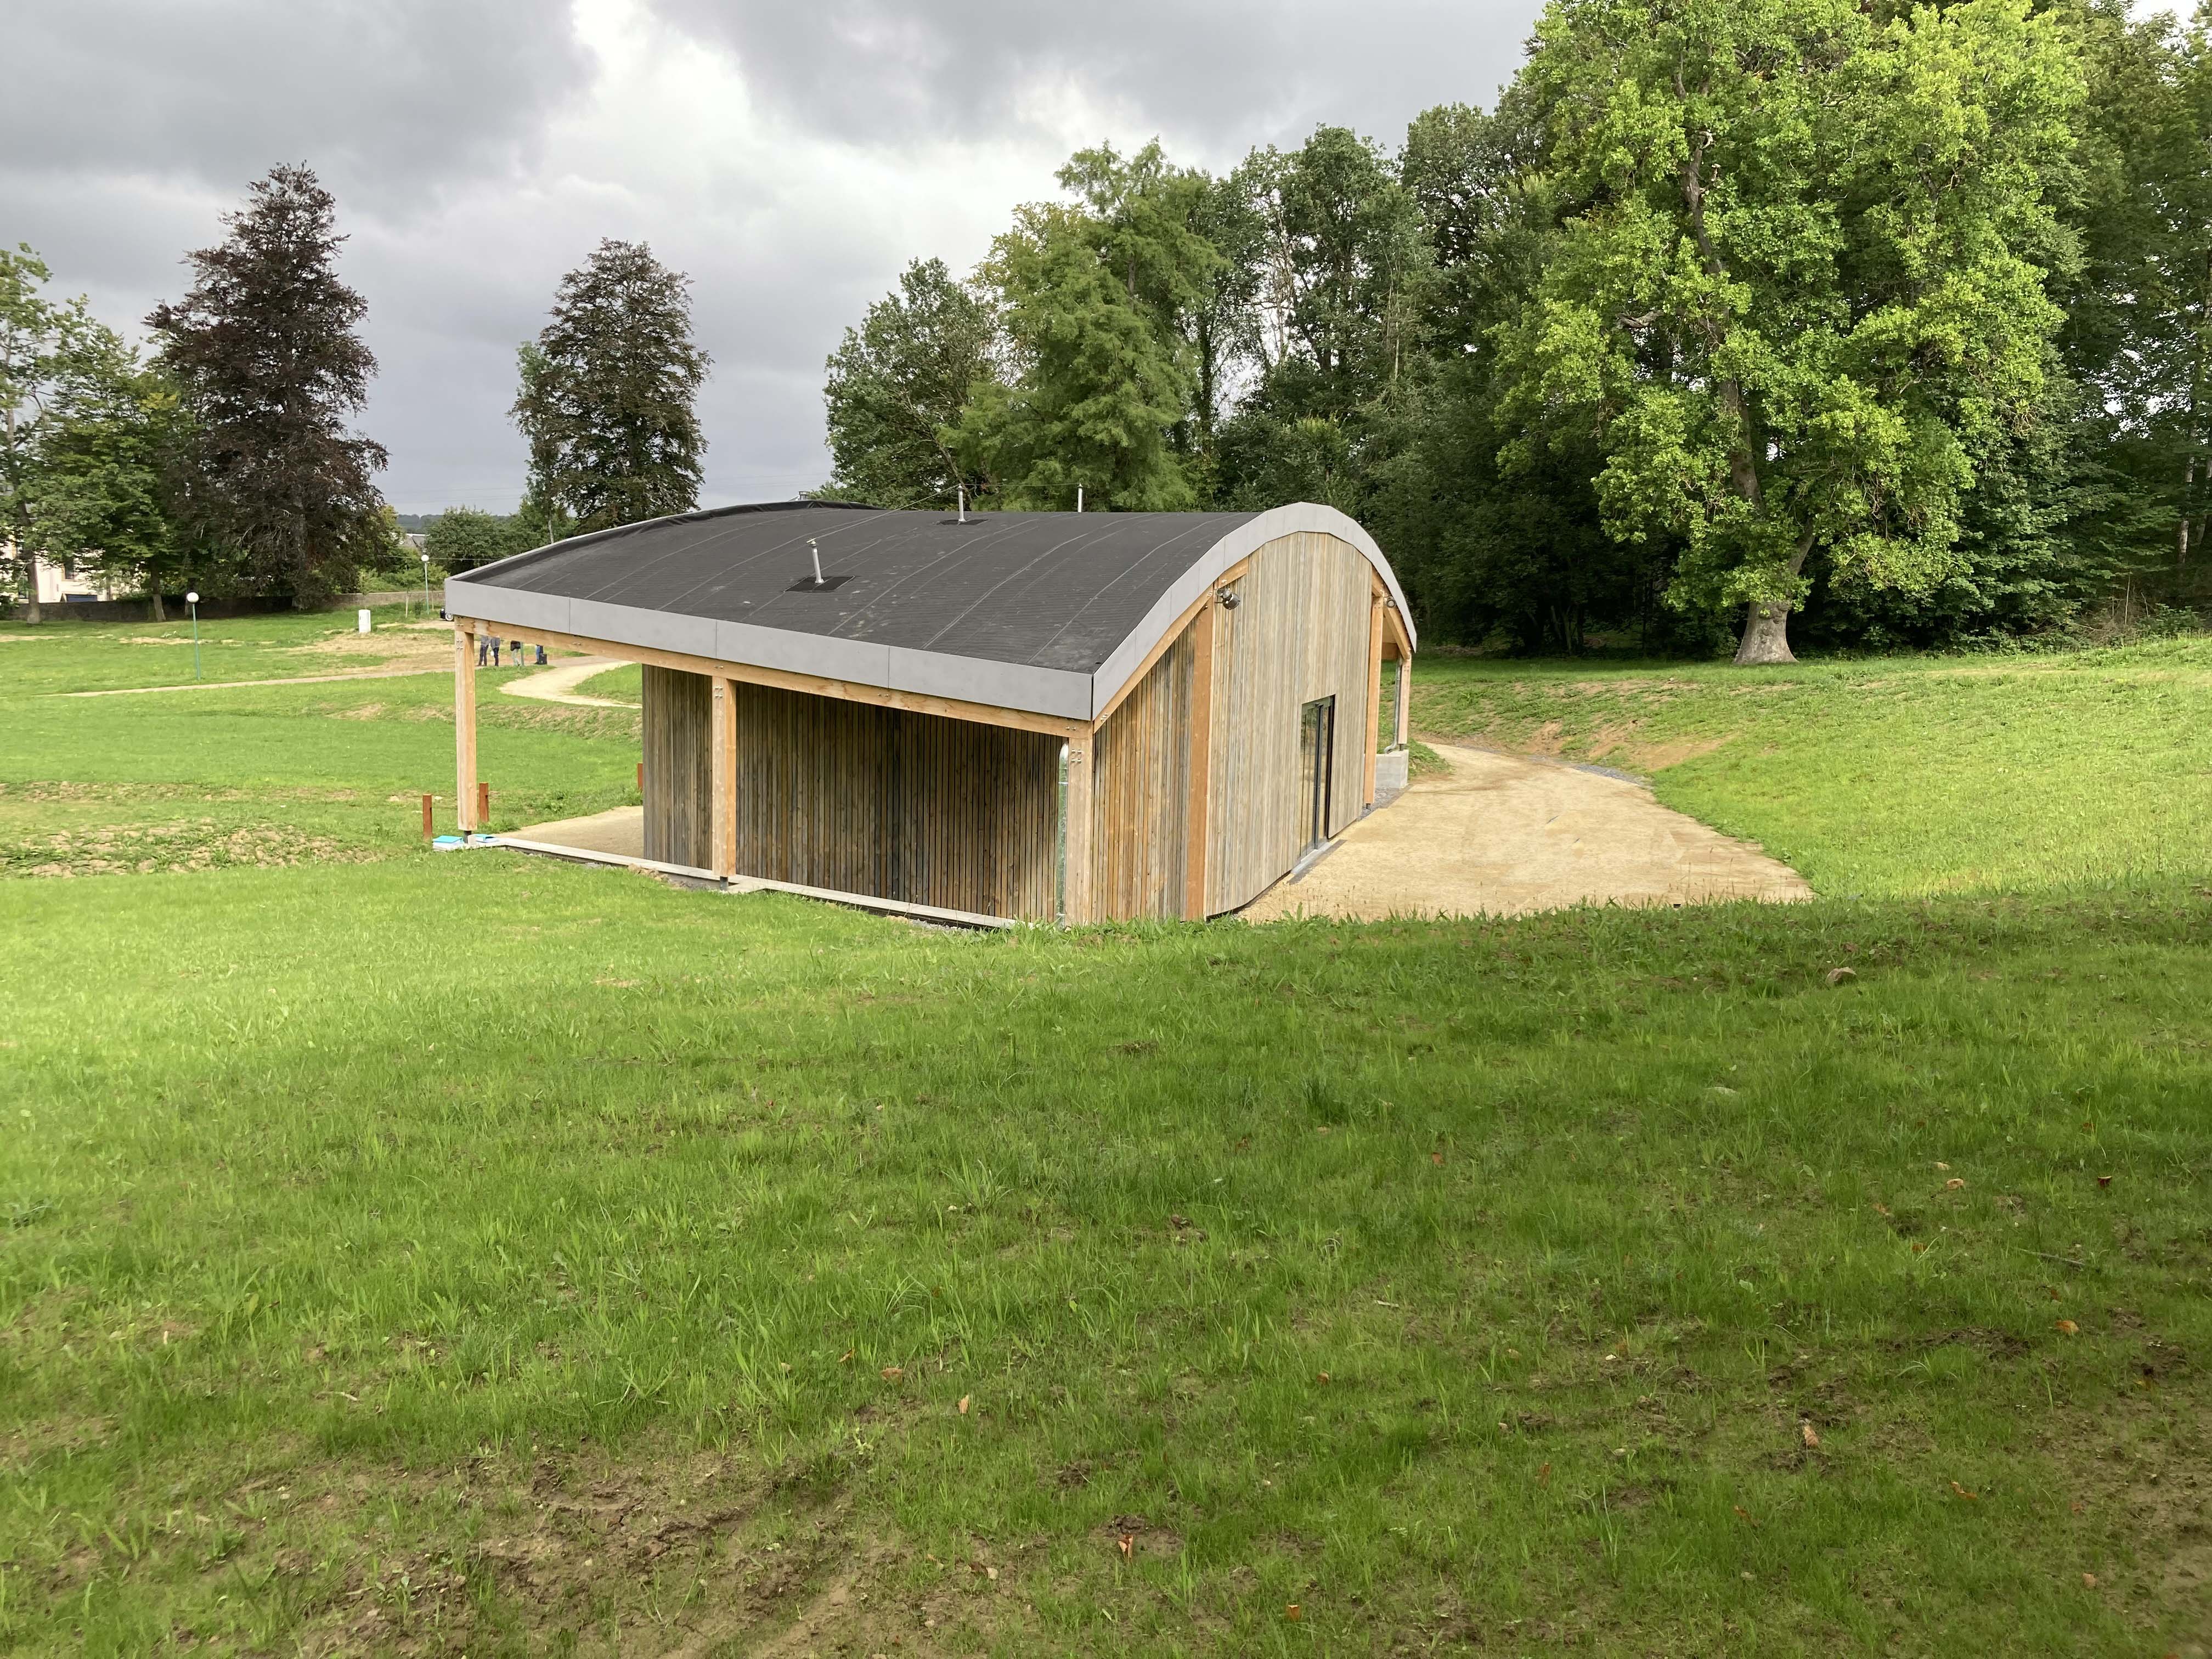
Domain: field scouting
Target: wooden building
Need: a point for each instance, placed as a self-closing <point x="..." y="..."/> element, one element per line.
<point x="1017" y="715"/>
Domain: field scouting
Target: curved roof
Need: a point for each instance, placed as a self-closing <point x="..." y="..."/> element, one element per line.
<point x="1049" y="613"/>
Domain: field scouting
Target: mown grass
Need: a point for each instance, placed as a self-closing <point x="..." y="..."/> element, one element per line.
<point x="468" y="1253"/>
<point x="268" y="773"/>
<point x="624" y="684"/>
<point x="457" y="1253"/>
<point x="1892" y="776"/>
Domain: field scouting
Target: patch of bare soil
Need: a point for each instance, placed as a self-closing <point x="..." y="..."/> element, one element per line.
<point x="686" y="1553"/>
<point x="182" y="844"/>
<point x="396" y="646"/>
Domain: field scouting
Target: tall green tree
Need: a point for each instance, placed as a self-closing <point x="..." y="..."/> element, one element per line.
<point x="1804" y="288"/>
<point x="264" y="351"/>
<point x="111" y="432"/>
<point x="30" y="335"/>
<point x="898" y="386"/>
<point x="1342" y="268"/>
<point x="608" y="393"/>
<point x="1094" y="297"/>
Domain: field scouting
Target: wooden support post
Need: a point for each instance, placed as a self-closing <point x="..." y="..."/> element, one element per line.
<point x="465" y="728"/>
<point x="1405" y="696"/>
<point x="1197" y="819"/>
<point x="484" y="804"/>
<point x="1082" y="747"/>
<point x="722" y="854"/>
<point x="640" y="780"/>
<point x="428" y="829"/>
<point x="1371" y="738"/>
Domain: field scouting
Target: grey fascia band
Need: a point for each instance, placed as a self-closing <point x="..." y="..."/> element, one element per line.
<point x="1052" y="691"/>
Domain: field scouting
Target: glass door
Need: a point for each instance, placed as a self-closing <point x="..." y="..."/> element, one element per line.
<point x="1316" y="756"/>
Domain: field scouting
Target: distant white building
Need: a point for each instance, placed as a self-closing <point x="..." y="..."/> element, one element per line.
<point x="59" y="584"/>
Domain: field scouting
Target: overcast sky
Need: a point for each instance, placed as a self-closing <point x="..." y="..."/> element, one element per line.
<point x="791" y="154"/>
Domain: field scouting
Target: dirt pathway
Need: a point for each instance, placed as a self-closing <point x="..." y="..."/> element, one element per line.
<point x="559" y="684"/>
<point x="1506" y="834"/>
<point x="232" y="685"/>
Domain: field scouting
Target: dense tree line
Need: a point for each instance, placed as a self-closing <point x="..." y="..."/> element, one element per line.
<point x="1728" y="319"/>
<point x="228" y="459"/>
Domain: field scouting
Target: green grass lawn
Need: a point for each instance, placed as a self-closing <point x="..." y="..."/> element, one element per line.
<point x="269" y="773"/>
<point x="1893" y="776"/>
<point x="470" y="1253"/>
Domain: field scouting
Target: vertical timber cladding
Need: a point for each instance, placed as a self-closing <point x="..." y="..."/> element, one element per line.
<point x="678" y="717"/>
<point x="1299" y="632"/>
<point x="893" y="803"/>
<point x="1140" y="794"/>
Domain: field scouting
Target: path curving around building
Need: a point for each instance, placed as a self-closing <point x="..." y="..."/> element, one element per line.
<point x="1505" y="835"/>
<point x="559" y="684"/>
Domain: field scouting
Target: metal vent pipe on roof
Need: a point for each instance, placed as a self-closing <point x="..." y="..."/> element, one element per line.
<point x="1078" y="498"/>
<point x="963" y="503"/>
<point x="816" y="552"/>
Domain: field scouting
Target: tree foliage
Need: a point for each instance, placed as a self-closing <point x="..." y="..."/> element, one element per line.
<point x="609" y="391"/>
<point x="263" y="351"/>
<point x="1897" y="320"/>
<point x="898" y="385"/>
<point x="87" y="439"/>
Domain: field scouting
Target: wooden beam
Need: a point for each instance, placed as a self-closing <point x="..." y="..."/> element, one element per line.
<point x="1082" y="750"/>
<point x="1405" y="696"/>
<point x="979" y="713"/>
<point x="1371" y="739"/>
<point x="465" y="727"/>
<point x="1198" y="814"/>
<point x="723" y="848"/>
<point x="1399" y="643"/>
<point x="1167" y="640"/>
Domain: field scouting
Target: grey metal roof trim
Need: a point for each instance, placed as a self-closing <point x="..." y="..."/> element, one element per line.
<point x="1053" y="657"/>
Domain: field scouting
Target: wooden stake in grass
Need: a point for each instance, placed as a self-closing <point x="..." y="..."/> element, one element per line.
<point x="427" y="831"/>
<point x="484" y="804"/>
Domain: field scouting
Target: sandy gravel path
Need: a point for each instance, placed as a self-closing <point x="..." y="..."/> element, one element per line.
<point x="559" y="684"/>
<point x="1506" y="834"/>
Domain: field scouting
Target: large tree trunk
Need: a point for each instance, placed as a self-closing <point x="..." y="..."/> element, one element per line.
<point x="1765" y="636"/>
<point x="160" y="613"/>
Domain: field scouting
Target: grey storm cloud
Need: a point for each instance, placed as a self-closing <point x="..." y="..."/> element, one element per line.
<point x="392" y="97"/>
<point x="791" y="156"/>
<point x="1219" y="75"/>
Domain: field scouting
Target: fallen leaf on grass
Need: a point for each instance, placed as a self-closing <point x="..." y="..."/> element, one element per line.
<point x="1941" y="1164"/>
<point x="1882" y="1209"/>
<point x="1544" y="1475"/>
<point x="963" y="1407"/>
<point x="1745" y="1514"/>
<point x="2104" y="1180"/>
<point x="1919" y="1249"/>
<point x="1971" y="1496"/>
<point x="2088" y="1581"/>
<point x="892" y="1373"/>
<point x="1953" y="1184"/>
<point x="1322" y="1376"/>
<point x="1436" y="1157"/>
<point x="2069" y="1327"/>
<point x="845" y="1356"/>
<point x="1837" y="975"/>
<point x="1293" y="1613"/>
<point x="1128" y="1545"/>
<point x="1806" y="1432"/>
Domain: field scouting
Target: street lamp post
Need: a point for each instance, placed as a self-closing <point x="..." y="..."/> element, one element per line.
<point x="193" y="600"/>
<point x="426" y="584"/>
